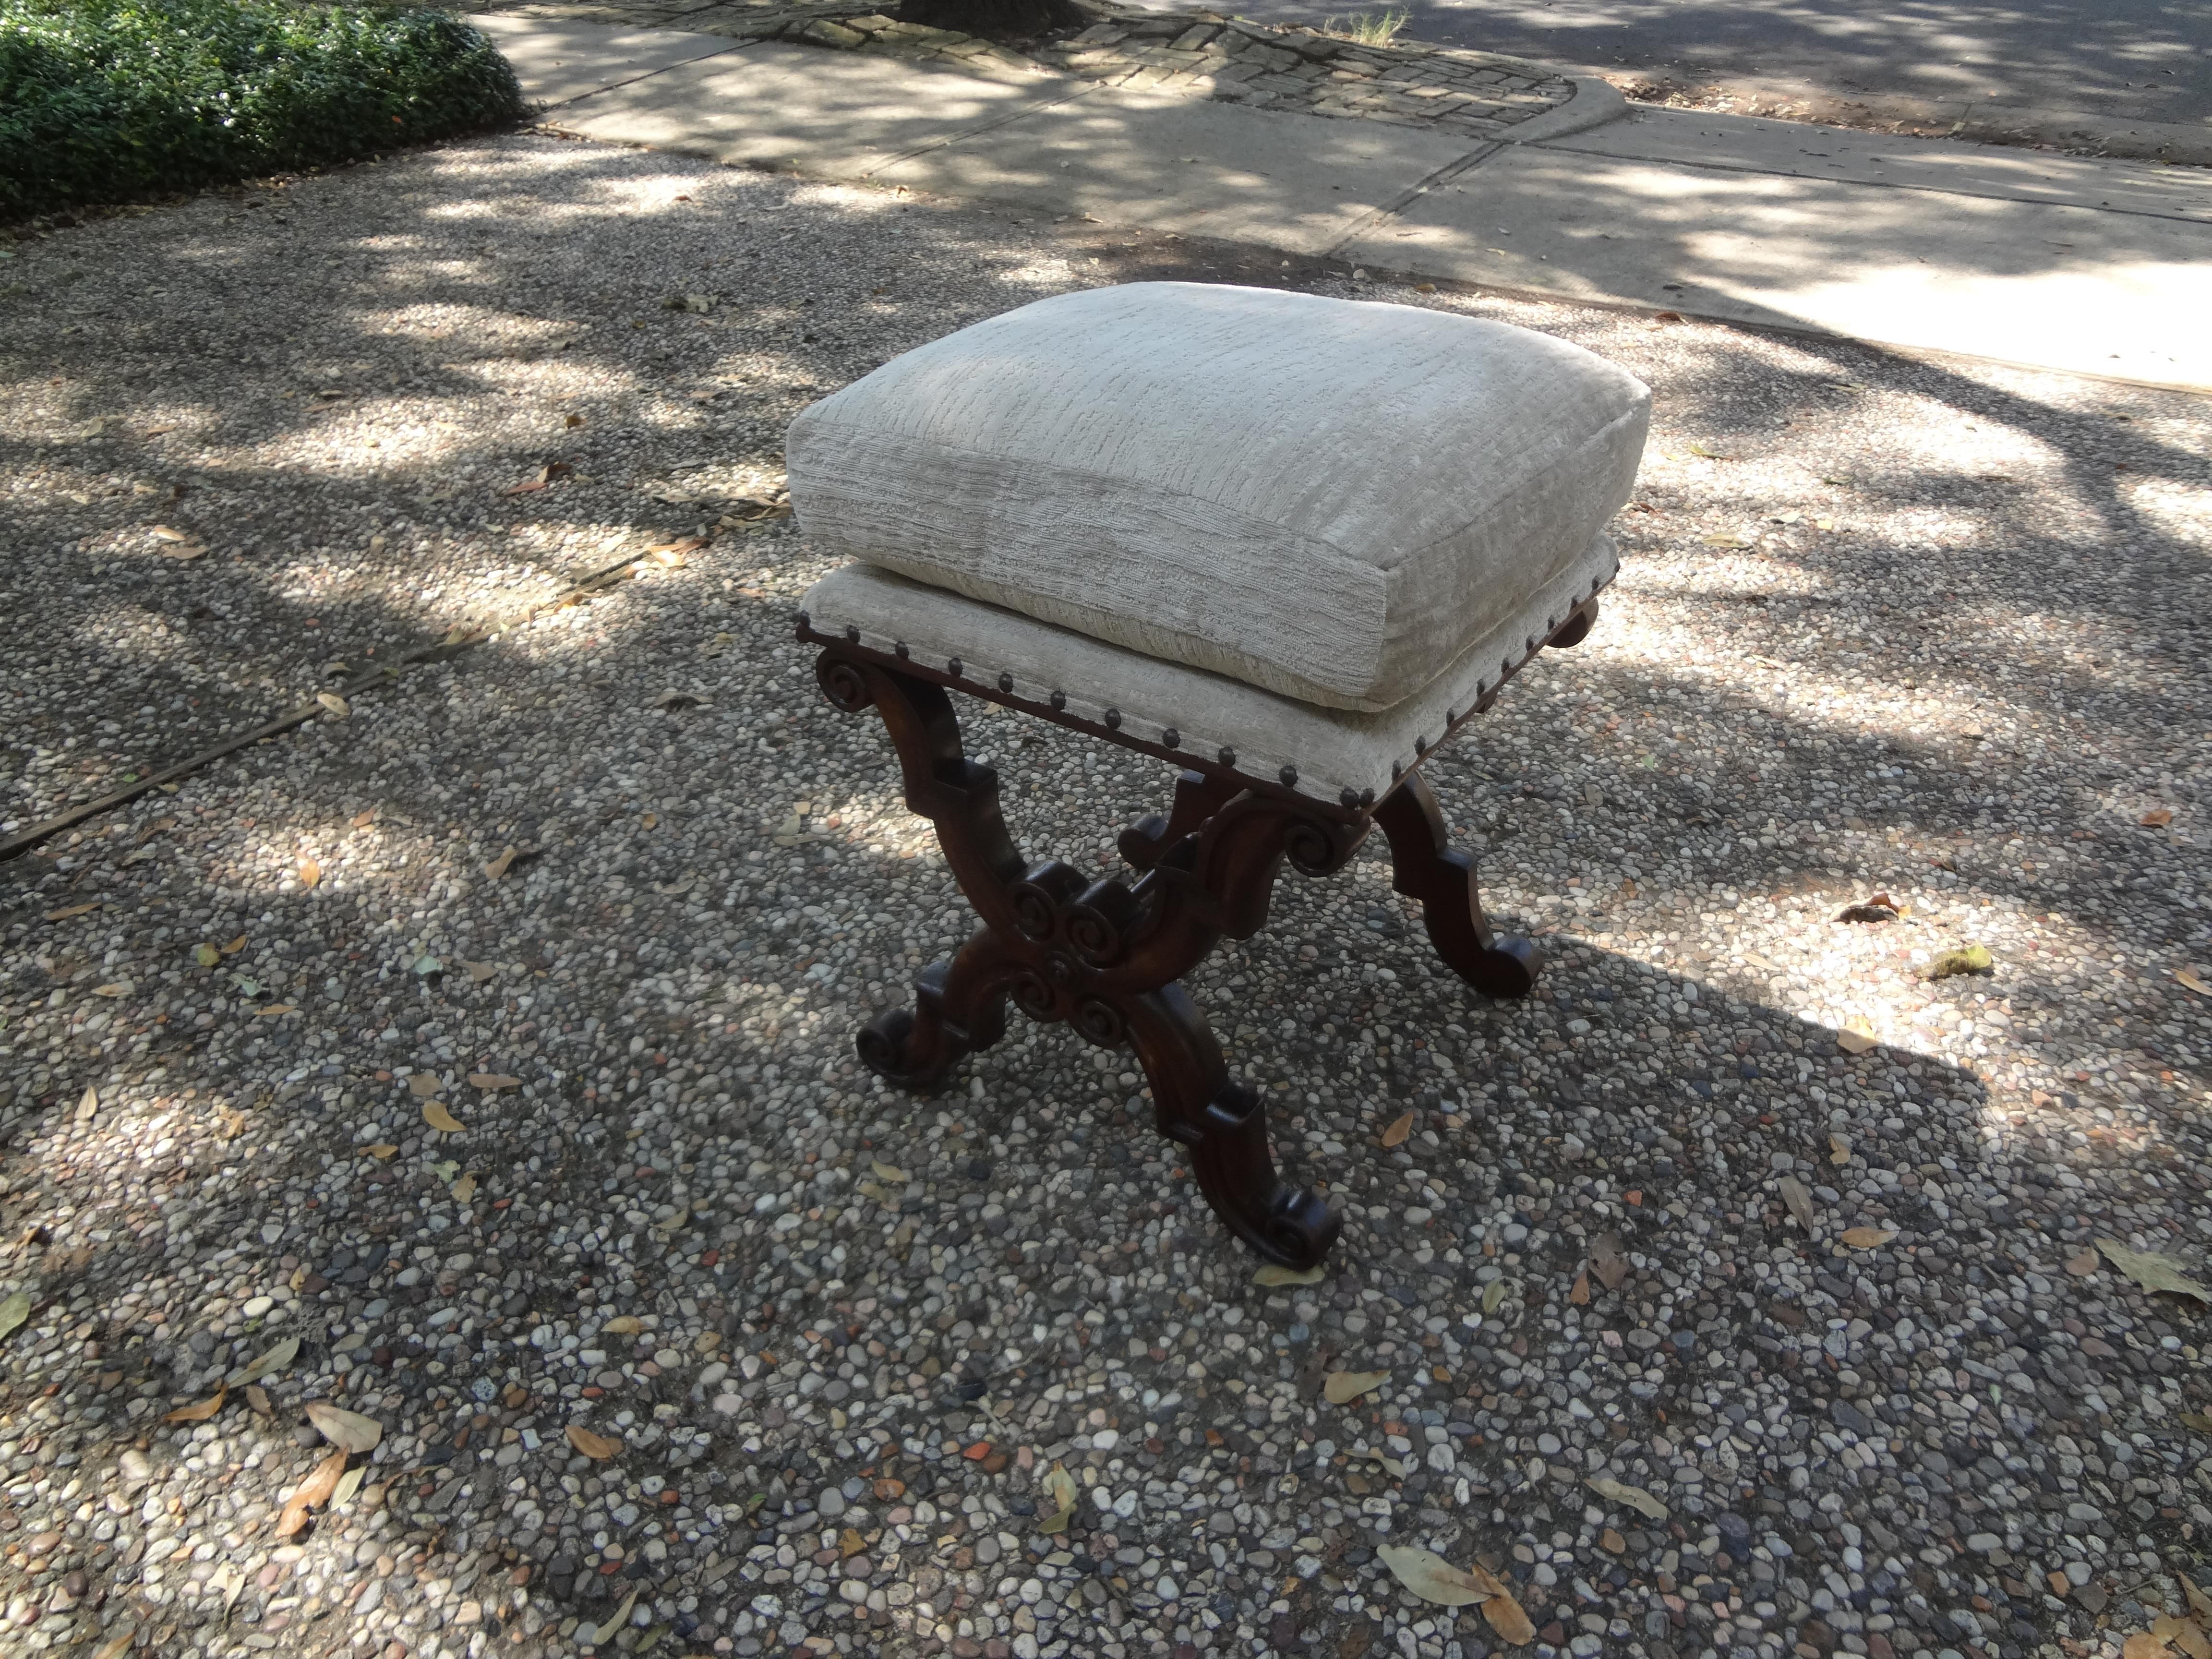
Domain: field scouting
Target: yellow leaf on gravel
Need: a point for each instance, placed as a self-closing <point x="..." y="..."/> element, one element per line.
<point x="2194" y="981"/>
<point x="1857" y="1036"/>
<point x="493" y="1081"/>
<point x="1275" y="1273"/>
<point x="1966" y="959"/>
<point x="316" y="1489"/>
<point x="1635" y="1496"/>
<point x="200" y="1411"/>
<point x="336" y="704"/>
<point x="1060" y="1486"/>
<point x="382" y="1149"/>
<point x="465" y="1189"/>
<point x="234" y="946"/>
<point x="348" y="1431"/>
<point x="119" y="988"/>
<point x="498" y="866"/>
<point x="2153" y="1272"/>
<point x="311" y="873"/>
<point x="277" y="1008"/>
<point x="13" y="1312"/>
<point x="1839" y="1150"/>
<point x="888" y="1171"/>
<point x="607" y="1632"/>
<point x="1493" y="1296"/>
<point x="88" y="1103"/>
<point x="349" y="1484"/>
<point x="1868" y="1238"/>
<point x="1431" y="1577"/>
<point x="116" y="1645"/>
<point x="206" y="955"/>
<point x="1504" y="1614"/>
<point x="596" y="1447"/>
<point x="423" y="1083"/>
<point x="1400" y="1128"/>
<point x="69" y="910"/>
<point x="623" y="1325"/>
<point x="435" y="1114"/>
<point x="1340" y="1387"/>
<point x="2144" y="1645"/>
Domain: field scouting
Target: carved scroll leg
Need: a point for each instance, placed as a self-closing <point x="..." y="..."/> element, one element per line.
<point x="1223" y="1124"/>
<point x="1424" y="866"/>
<point x="959" y="1005"/>
<point x="959" y="1009"/>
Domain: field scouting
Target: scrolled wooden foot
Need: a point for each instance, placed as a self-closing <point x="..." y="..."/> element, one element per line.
<point x="1424" y="866"/>
<point x="1573" y="631"/>
<point x="1200" y="1106"/>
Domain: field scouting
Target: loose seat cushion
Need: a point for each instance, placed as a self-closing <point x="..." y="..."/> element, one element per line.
<point x="1328" y="499"/>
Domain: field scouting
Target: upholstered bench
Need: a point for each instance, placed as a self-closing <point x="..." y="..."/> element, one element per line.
<point x="1285" y="543"/>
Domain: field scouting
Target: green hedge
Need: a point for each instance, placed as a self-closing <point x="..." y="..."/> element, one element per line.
<point x="112" y="100"/>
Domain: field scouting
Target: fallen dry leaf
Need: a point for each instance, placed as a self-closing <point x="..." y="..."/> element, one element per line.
<point x="234" y="946"/>
<point x="88" y="1103"/>
<point x="118" y="1645"/>
<point x="497" y="868"/>
<point x="315" y="1489"/>
<point x="202" y="1411"/>
<point x="1340" y="1388"/>
<point x="13" y="1312"/>
<point x="348" y="1431"/>
<point x="1275" y="1273"/>
<point x="258" y="1397"/>
<point x="1799" y="1200"/>
<point x="1857" y="1036"/>
<point x="1635" y="1496"/>
<point x="1868" y="1238"/>
<point x="478" y="972"/>
<point x="311" y="873"/>
<point x="1606" y="1261"/>
<point x="2200" y="1421"/>
<point x="349" y="1484"/>
<point x="1579" y="1292"/>
<point x="2157" y="818"/>
<point x="1399" y="1129"/>
<point x="1431" y="1578"/>
<point x="1504" y="1614"/>
<point x="1493" y="1296"/>
<point x="69" y="910"/>
<point x="607" y="1632"/>
<point x="423" y="1084"/>
<point x="887" y="1172"/>
<point x="336" y="704"/>
<point x="2193" y="981"/>
<point x="435" y="1114"/>
<point x="465" y="1189"/>
<point x="1965" y="959"/>
<point x="206" y="955"/>
<point x="596" y="1447"/>
<point x="2153" y="1272"/>
<point x="275" y="1360"/>
<point x="1060" y="1486"/>
<point x="1839" y="1150"/>
<point x="2083" y="1265"/>
<point x="625" y="1324"/>
<point x="382" y="1149"/>
<point x="493" y="1081"/>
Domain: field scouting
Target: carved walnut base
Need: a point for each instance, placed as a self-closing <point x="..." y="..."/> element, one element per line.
<point x="1106" y="956"/>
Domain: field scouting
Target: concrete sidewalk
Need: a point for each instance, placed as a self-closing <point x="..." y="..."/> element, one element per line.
<point x="2057" y="261"/>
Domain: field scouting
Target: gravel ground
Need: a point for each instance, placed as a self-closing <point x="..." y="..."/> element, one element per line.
<point x="1929" y="630"/>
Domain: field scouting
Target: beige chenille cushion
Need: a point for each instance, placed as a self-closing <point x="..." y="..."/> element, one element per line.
<point x="1326" y="750"/>
<point x="1328" y="499"/>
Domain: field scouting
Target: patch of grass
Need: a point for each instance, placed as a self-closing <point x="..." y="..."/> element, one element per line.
<point x="1369" y="28"/>
<point x="113" y="100"/>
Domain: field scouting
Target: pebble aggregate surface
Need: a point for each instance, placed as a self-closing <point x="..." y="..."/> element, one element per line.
<point x="688" y="1337"/>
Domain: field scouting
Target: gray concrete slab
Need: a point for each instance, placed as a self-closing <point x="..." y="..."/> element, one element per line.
<point x="1795" y="149"/>
<point x="1293" y="182"/>
<point x="828" y="114"/>
<point x="2085" y="289"/>
<point x="558" y="62"/>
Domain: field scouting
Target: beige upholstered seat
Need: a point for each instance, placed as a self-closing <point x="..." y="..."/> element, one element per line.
<point x="1331" y="500"/>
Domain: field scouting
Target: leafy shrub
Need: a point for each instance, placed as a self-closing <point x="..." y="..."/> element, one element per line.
<point x="107" y="101"/>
